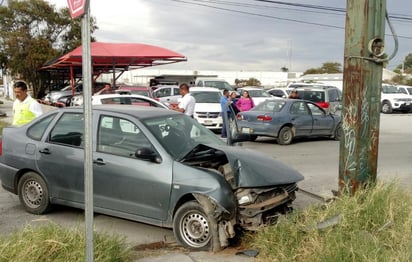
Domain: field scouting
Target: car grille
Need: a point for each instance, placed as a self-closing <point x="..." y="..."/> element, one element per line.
<point x="208" y="114"/>
<point x="405" y="99"/>
<point x="267" y="206"/>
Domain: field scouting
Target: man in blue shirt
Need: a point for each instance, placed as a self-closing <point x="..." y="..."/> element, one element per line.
<point x="224" y="104"/>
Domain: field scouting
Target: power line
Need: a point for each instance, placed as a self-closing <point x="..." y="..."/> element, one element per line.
<point x="317" y="7"/>
<point x="259" y="15"/>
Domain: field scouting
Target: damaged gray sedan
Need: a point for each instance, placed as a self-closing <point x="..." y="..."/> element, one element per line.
<point x="150" y="165"/>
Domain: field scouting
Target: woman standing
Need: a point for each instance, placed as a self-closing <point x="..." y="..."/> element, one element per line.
<point x="245" y="103"/>
<point x="233" y="101"/>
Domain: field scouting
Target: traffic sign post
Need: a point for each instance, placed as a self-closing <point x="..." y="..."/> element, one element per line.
<point x="81" y="8"/>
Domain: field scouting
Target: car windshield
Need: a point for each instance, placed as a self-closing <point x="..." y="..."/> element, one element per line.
<point x="140" y="92"/>
<point x="219" y="84"/>
<point x="270" y="105"/>
<point x="179" y="134"/>
<point x="390" y="90"/>
<point x="259" y="93"/>
<point x="206" y="97"/>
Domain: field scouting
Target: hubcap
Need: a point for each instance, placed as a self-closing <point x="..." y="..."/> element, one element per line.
<point x="195" y="230"/>
<point x="33" y="194"/>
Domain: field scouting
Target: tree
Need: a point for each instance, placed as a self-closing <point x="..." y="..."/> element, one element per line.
<point x="326" y="68"/>
<point x="250" y="82"/>
<point x="406" y="65"/>
<point x="33" y="32"/>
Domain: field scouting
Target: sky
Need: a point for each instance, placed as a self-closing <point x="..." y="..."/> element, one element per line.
<point x="243" y="35"/>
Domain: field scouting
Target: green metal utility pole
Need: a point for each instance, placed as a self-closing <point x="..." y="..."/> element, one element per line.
<point x="362" y="80"/>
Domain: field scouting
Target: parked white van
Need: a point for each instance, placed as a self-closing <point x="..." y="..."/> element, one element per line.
<point x="207" y="108"/>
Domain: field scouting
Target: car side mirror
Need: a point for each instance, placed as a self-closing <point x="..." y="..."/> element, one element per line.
<point x="148" y="154"/>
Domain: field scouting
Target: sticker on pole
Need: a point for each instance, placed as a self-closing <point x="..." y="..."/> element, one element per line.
<point x="76" y="7"/>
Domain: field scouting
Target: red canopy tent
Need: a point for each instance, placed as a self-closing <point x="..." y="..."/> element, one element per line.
<point x="112" y="57"/>
<point x="119" y="55"/>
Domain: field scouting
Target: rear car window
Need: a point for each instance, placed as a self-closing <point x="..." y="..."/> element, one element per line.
<point x="36" y="131"/>
<point x="314" y="96"/>
<point x="270" y="105"/>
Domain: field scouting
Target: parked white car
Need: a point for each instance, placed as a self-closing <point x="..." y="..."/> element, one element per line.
<point x="126" y="99"/>
<point x="167" y="94"/>
<point x="393" y="100"/>
<point x="207" y="108"/>
<point x="405" y="89"/>
<point x="280" y="92"/>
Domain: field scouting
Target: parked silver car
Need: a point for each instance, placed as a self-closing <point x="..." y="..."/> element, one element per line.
<point x="169" y="94"/>
<point x="151" y="165"/>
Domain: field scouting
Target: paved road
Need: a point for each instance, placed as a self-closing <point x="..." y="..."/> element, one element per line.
<point x="317" y="160"/>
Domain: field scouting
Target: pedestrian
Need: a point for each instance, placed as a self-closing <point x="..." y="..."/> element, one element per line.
<point x="25" y="108"/>
<point x="233" y="101"/>
<point x="187" y="103"/>
<point x="226" y="113"/>
<point x="107" y="89"/>
<point x="245" y="102"/>
<point x="294" y="95"/>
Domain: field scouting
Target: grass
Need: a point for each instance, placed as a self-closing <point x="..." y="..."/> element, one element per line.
<point x="3" y="124"/>
<point x="55" y="243"/>
<point x="373" y="225"/>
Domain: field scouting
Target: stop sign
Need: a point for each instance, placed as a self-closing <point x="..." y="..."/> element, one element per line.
<point x="77" y="7"/>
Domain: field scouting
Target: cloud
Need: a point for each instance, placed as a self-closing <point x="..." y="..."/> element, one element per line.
<point x="237" y="35"/>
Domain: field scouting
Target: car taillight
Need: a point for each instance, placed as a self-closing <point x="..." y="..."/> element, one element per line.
<point x="323" y="104"/>
<point x="264" y="118"/>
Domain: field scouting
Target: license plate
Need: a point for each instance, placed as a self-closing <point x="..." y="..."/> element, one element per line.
<point x="246" y="130"/>
<point x="208" y="122"/>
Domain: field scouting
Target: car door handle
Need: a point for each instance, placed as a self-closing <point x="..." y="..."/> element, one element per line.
<point x="99" y="162"/>
<point x="45" y="151"/>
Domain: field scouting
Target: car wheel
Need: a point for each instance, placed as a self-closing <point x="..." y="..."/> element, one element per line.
<point x="338" y="132"/>
<point x="192" y="228"/>
<point x="33" y="193"/>
<point x="386" y="108"/>
<point x="285" y="136"/>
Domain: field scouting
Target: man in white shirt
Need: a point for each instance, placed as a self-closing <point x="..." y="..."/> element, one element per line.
<point x="25" y="108"/>
<point x="187" y="103"/>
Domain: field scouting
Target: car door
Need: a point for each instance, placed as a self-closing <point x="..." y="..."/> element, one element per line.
<point x="301" y="118"/>
<point x="61" y="158"/>
<point x="322" y="121"/>
<point x="123" y="182"/>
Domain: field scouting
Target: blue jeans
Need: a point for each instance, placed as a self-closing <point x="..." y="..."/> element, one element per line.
<point x="225" y="118"/>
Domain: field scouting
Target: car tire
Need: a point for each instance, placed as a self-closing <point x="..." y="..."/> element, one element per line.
<point x="285" y="136"/>
<point x="33" y="193"/>
<point x="192" y="227"/>
<point x="338" y="132"/>
<point x="386" y="108"/>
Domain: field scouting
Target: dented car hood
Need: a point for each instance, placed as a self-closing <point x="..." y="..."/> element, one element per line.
<point x="254" y="169"/>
